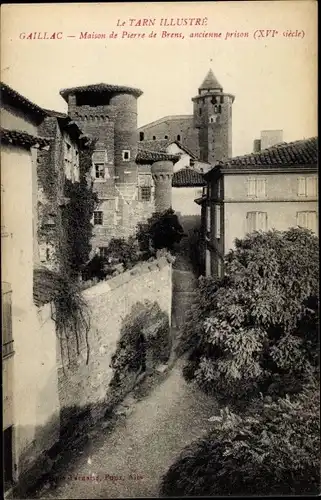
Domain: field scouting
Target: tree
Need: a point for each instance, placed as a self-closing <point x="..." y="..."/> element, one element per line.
<point x="162" y="230"/>
<point x="272" y="450"/>
<point x="259" y="326"/>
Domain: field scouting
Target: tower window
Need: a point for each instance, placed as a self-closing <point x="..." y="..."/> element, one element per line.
<point x="126" y="155"/>
<point x="178" y="137"/>
<point x="145" y="193"/>
<point x="166" y="137"/>
<point x="154" y="137"/>
<point x="141" y="136"/>
<point x="98" y="218"/>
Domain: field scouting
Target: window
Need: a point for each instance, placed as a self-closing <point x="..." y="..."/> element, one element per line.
<point x="7" y="340"/>
<point x="145" y="187"/>
<point x="98" y="218"/>
<point x="200" y="111"/>
<point x="307" y="220"/>
<point x="154" y="137"/>
<point x="68" y="160"/>
<point x="103" y="252"/>
<point x="256" y="221"/>
<point x="99" y="171"/>
<point x="178" y="137"/>
<point x="141" y="136"/>
<point x="218" y="221"/>
<point x="145" y="193"/>
<point x="166" y="137"/>
<point x="307" y="186"/>
<point x="256" y="187"/>
<point x="126" y="155"/>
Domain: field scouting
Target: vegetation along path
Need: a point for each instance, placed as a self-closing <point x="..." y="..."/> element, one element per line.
<point x="130" y="460"/>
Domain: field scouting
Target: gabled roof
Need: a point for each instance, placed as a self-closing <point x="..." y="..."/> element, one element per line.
<point x="10" y="95"/>
<point x="293" y="154"/>
<point x="56" y="114"/>
<point x="187" y="177"/>
<point x="23" y="139"/>
<point x="100" y="88"/>
<point x="210" y="82"/>
<point x="161" y="145"/>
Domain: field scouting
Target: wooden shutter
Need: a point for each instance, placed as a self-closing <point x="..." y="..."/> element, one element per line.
<point x="311" y="184"/>
<point x="208" y="218"/>
<point x="251" y="222"/>
<point x="312" y="221"/>
<point x="261" y="222"/>
<point x="301" y="219"/>
<point x="218" y="221"/>
<point x="251" y="186"/>
<point x="261" y="187"/>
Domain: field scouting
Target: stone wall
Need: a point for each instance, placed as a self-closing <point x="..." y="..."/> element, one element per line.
<point x="84" y="387"/>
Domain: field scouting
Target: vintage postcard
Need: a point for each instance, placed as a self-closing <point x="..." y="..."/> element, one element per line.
<point x="159" y="233"/>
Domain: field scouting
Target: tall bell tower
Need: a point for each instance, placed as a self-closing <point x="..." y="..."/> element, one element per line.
<point x="213" y="119"/>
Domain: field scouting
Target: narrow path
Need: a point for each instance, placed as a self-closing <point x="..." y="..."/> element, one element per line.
<point x="141" y="447"/>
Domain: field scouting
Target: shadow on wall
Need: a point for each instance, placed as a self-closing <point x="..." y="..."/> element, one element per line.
<point x="188" y="254"/>
<point x="144" y="343"/>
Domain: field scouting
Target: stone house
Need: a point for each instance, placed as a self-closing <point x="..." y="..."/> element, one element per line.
<point x="274" y="188"/>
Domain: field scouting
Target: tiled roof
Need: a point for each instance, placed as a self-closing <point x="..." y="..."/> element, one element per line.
<point x="18" y="138"/>
<point x="187" y="177"/>
<point x="210" y="82"/>
<point x="297" y="153"/>
<point x="166" y="119"/>
<point x="149" y="157"/>
<point x="100" y="88"/>
<point x="7" y="93"/>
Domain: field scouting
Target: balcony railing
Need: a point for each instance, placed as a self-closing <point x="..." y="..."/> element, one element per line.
<point x="7" y="340"/>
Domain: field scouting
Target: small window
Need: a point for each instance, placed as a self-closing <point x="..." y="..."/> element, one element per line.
<point x="103" y="252"/>
<point x="99" y="170"/>
<point x="178" y="137"/>
<point x="98" y="218"/>
<point x="166" y="137"/>
<point x="145" y="193"/>
<point x="200" y="111"/>
<point x="154" y="137"/>
<point x="126" y="155"/>
<point x="141" y="136"/>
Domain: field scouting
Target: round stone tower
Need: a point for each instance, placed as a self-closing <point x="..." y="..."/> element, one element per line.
<point x="213" y="119"/>
<point x="162" y="173"/>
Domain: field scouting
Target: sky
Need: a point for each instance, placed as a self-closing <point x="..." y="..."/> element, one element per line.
<point x="273" y="78"/>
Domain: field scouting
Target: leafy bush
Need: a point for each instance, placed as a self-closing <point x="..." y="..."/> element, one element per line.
<point x="125" y="252"/>
<point x="258" y="326"/>
<point x="273" y="450"/>
<point x="162" y="230"/>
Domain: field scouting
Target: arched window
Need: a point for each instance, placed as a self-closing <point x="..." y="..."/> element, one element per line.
<point x="166" y="137"/>
<point x="154" y="137"/>
<point x="178" y="137"/>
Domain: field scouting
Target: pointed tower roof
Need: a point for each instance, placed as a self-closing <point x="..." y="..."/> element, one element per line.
<point x="210" y="82"/>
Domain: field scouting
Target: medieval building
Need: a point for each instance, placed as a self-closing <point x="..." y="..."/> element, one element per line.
<point x="130" y="182"/>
